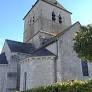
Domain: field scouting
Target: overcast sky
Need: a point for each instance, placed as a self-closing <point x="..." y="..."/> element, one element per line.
<point x="13" y="11"/>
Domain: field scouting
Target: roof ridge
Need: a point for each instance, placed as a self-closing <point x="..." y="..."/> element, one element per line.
<point x="12" y="40"/>
<point x="47" y="33"/>
<point x="17" y="41"/>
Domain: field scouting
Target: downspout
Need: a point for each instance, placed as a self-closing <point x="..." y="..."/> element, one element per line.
<point x="55" y="62"/>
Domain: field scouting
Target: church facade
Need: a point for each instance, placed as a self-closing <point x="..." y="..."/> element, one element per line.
<point x="46" y="54"/>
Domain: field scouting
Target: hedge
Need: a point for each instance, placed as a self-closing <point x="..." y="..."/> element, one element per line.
<point x="69" y="86"/>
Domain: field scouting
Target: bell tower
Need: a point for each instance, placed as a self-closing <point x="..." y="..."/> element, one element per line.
<point x="48" y="16"/>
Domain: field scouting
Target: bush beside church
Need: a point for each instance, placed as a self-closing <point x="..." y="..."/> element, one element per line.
<point x="69" y="86"/>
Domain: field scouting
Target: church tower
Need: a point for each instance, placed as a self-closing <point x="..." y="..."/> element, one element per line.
<point x="47" y="16"/>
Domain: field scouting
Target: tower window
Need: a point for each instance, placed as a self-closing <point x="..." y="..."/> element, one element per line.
<point x="33" y="18"/>
<point x="30" y="22"/>
<point x="44" y="40"/>
<point x="60" y="19"/>
<point x="53" y="16"/>
<point x="85" y="68"/>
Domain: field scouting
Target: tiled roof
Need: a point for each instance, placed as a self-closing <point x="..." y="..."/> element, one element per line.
<point x="3" y="59"/>
<point x="42" y="52"/>
<point x="20" y="47"/>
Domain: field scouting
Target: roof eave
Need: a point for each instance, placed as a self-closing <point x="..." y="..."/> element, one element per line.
<point x="57" y="6"/>
<point x="45" y="56"/>
<point x="30" y="9"/>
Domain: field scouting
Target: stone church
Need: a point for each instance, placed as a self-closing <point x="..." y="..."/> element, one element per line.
<point x="46" y="54"/>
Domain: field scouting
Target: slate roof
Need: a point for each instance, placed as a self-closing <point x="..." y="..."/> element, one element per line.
<point x="15" y="46"/>
<point x="27" y="48"/>
<point x="42" y="52"/>
<point x="3" y="59"/>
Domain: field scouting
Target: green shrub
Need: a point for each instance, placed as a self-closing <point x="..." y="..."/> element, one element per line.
<point x="69" y="86"/>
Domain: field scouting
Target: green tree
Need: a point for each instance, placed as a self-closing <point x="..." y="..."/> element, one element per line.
<point x="83" y="43"/>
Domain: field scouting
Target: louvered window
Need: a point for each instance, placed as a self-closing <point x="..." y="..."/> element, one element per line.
<point x="53" y="16"/>
<point x="60" y="19"/>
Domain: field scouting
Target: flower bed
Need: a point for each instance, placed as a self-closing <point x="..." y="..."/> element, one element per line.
<point x="69" y="86"/>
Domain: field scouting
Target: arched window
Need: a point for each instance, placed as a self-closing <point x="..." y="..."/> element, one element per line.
<point x="53" y="16"/>
<point x="85" y="68"/>
<point x="60" y="19"/>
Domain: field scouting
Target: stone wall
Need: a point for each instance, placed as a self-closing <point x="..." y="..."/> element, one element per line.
<point x="30" y="26"/>
<point x="68" y="61"/>
<point x="40" y="71"/>
<point x="68" y="64"/>
<point x="3" y="77"/>
<point x="47" y="10"/>
<point x="11" y="67"/>
<point x="9" y="73"/>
